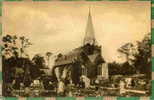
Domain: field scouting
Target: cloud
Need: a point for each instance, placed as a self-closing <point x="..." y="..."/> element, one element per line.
<point x="60" y="26"/>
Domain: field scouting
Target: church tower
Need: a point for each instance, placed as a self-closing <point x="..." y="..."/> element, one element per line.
<point x="94" y="53"/>
<point x="89" y="36"/>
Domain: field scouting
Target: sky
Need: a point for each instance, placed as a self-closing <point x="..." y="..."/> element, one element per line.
<point x="59" y="27"/>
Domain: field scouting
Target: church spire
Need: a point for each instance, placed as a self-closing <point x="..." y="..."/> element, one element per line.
<point x="89" y="36"/>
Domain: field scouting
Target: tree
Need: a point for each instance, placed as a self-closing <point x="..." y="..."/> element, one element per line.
<point x="143" y="58"/>
<point x="129" y="50"/>
<point x="114" y="68"/>
<point x="11" y="46"/>
<point x="14" y="67"/>
<point x="141" y="54"/>
<point x="39" y="61"/>
<point x="24" y="44"/>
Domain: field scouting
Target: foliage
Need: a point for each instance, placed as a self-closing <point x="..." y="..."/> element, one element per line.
<point x="13" y="45"/>
<point x="39" y="61"/>
<point x="143" y="58"/>
<point x="120" y="69"/>
<point x="18" y="69"/>
<point x="138" y="58"/>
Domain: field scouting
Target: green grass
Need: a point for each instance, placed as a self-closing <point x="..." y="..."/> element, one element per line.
<point x="65" y="98"/>
<point x="128" y="98"/>
<point x="10" y="98"/>
<point x="35" y="98"/>
<point x="93" y="98"/>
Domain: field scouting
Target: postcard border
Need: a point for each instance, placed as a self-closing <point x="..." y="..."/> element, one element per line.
<point x="82" y="98"/>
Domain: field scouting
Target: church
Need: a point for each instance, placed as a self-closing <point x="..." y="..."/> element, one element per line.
<point x="85" y="60"/>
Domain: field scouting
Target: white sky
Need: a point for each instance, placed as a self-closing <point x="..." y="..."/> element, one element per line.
<point x="60" y="26"/>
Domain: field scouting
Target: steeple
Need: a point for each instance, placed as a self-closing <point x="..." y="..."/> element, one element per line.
<point x="89" y="36"/>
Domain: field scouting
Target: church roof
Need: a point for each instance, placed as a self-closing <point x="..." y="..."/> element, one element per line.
<point x="68" y="58"/>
